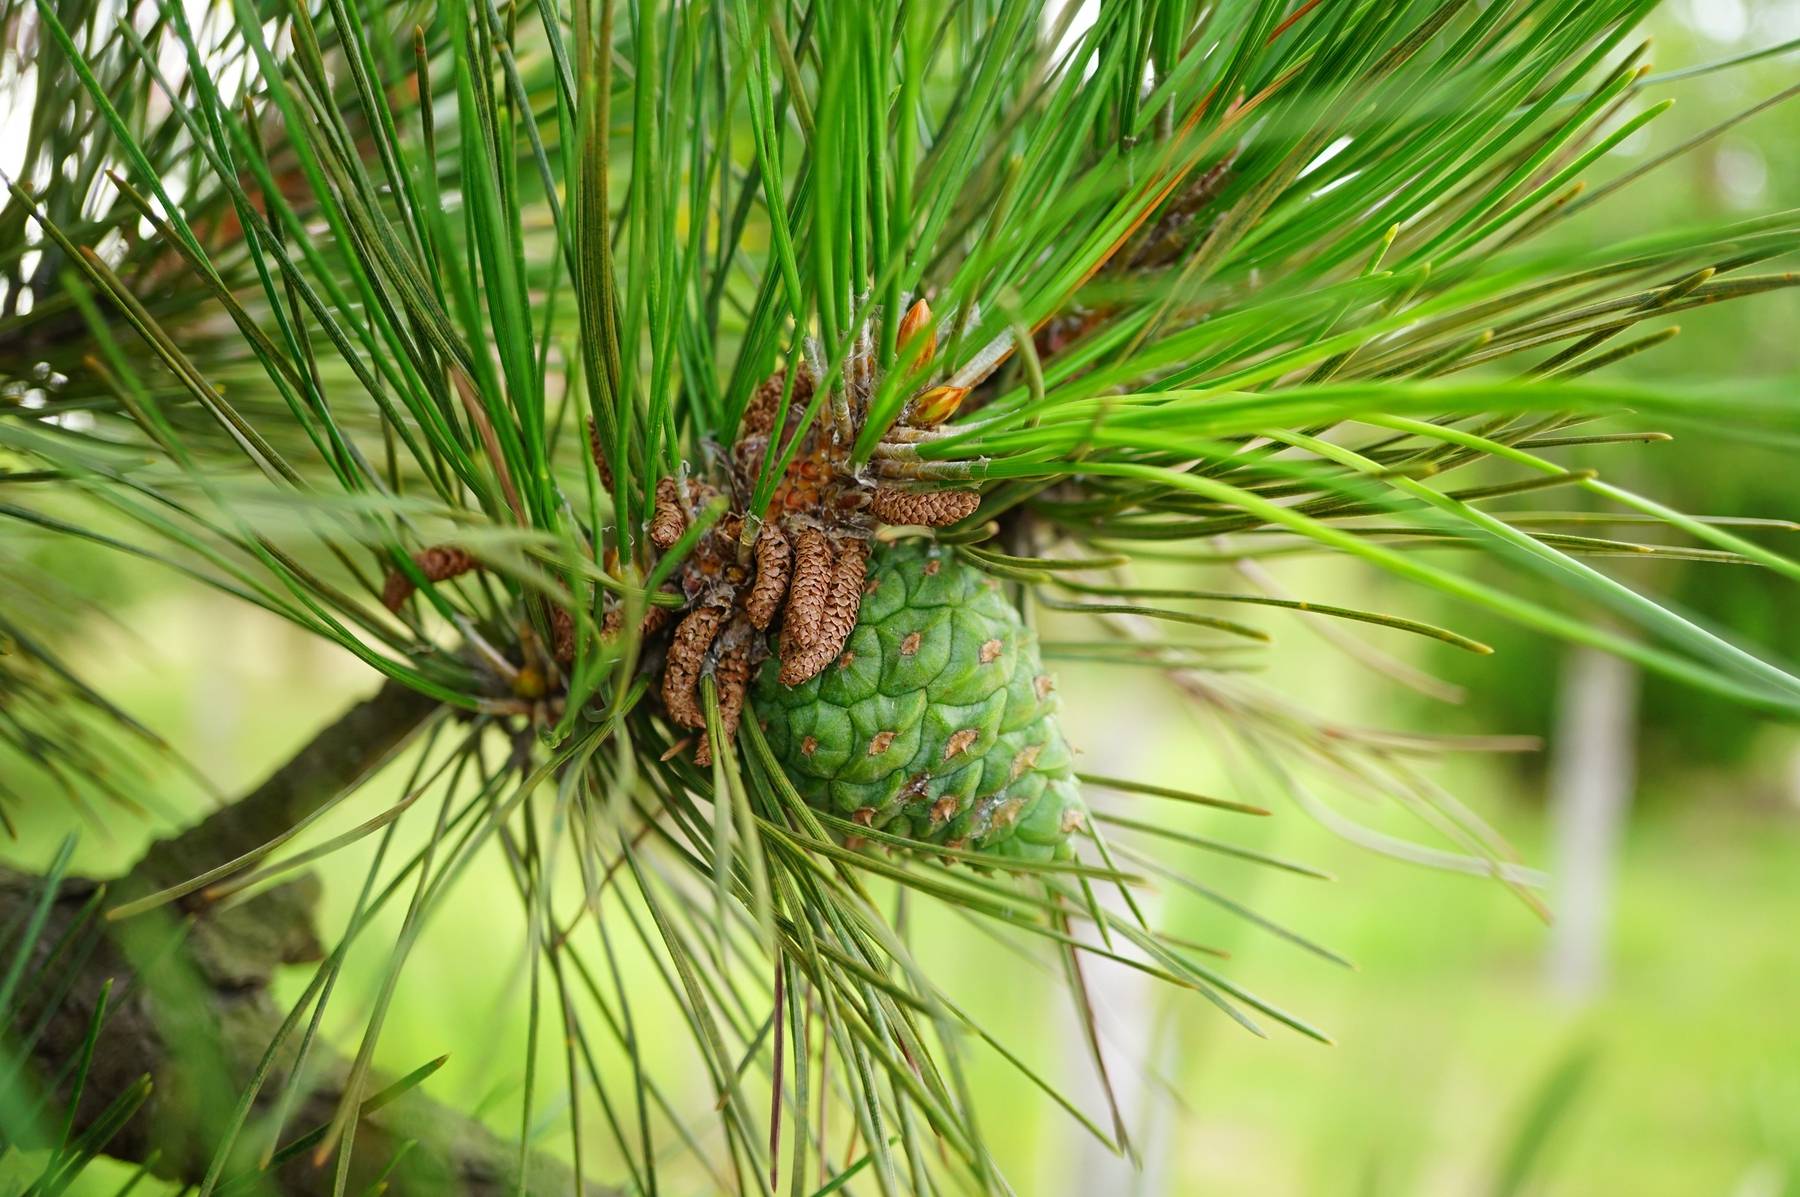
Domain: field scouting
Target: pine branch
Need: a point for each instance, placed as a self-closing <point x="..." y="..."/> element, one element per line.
<point x="357" y="744"/>
<point x="191" y="1005"/>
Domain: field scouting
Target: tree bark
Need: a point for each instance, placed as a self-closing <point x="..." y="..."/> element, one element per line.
<point x="191" y="1005"/>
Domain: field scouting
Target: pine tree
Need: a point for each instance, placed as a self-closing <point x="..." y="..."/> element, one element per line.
<point x="594" y="372"/>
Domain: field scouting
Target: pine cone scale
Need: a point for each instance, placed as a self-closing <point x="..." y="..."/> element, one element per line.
<point x="933" y="719"/>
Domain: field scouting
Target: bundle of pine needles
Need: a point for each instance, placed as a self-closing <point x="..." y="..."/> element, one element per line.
<point x="495" y="343"/>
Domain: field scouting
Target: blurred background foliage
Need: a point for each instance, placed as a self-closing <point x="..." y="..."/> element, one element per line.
<point x="1692" y="747"/>
<point x="1458" y="1068"/>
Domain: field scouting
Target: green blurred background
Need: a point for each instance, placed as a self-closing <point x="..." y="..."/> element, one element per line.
<point x="1663" y="1059"/>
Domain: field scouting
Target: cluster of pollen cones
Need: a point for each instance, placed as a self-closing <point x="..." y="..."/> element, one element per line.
<point x="802" y="561"/>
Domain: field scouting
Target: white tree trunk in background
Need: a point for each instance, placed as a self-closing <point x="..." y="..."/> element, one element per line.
<point x="1593" y="772"/>
<point x="1136" y="1037"/>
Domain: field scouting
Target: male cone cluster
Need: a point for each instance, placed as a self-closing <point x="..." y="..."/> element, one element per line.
<point x="797" y="564"/>
<point x="807" y="561"/>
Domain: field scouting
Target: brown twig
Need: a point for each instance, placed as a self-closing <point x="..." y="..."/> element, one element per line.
<point x="191" y="1004"/>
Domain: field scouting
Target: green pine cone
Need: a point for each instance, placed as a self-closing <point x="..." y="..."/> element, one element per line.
<point x="938" y="722"/>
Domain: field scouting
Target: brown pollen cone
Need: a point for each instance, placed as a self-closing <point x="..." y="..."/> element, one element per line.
<point x="438" y="563"/>
<point x="606" y="474"/>
<point x="687" y="653"/>
<point x="655" y="620"/>
<point x="930" y="509"/>
<point x="668" y="521"/>
<point x="773" y="558"/>
<point x="842" y="602"/>
<point x="562" y="633"/>
<point x="765" y="403"/>
<point x="732" y="677"/>
<point x="807" y="592"/>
